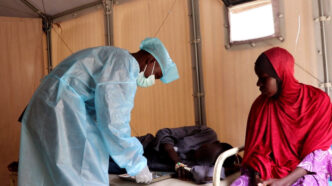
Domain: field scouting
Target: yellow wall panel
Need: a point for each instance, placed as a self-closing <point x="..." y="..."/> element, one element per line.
<point x="229" y="78"/>
<point x="76" y="34"/>
<point x="160" y="106"/>
<point x="21" y="69"/>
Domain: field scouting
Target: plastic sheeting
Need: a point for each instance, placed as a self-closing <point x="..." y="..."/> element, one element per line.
<point x="79" y="116"/>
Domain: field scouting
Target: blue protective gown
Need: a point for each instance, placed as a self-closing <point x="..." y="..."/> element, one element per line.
<point x="78" y="117"/>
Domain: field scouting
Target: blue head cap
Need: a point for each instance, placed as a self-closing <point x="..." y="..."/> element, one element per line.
<point x="156" y="48"/>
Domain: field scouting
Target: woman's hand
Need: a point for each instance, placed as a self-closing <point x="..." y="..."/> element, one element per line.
<point x="288" y="180"/>
<point x="274" y="182"/>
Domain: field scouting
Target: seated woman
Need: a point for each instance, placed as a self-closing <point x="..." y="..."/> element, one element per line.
<point x="190" y="151"/>
<point x="289" y="129"/>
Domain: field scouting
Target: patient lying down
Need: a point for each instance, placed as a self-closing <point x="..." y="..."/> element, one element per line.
<point x="189" y="151"/>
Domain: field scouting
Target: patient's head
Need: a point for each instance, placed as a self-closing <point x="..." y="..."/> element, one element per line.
<point x="208" y="153"/>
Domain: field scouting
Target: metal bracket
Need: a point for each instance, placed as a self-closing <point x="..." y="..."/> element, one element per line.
<point x="47" y="26"/>
<point x="322" y="18"/>
<point x="325" y="85"/>
<point x="195" y="41"/>
<point x="199" y="94"/>
<point x="47" y="23"/>
<point x="107" y="6"/>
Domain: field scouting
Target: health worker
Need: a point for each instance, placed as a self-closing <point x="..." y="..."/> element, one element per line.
<point x="80" y="115"/>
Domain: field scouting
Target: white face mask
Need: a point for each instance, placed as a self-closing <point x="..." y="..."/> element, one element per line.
<point x="142" y="81"/>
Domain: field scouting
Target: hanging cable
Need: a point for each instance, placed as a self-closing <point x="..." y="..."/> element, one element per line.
<point x="162" y="24"/>
<point x="156" y="33"/>
<point x="67" y="46"/>
<point x="64" y="42"/>
<point x="298" y="32"/>
<point x="304" y="70"/>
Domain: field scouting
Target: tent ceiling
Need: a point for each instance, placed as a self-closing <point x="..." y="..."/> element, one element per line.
<point x="16" y="8"/>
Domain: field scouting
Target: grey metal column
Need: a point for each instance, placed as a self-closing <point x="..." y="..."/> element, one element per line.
<point x="199" y="102"/>
<point x="47" y="25"/>
<point x="108" y="8"/>
<point x="47" y="28"/>
<point x="322" y="18"/>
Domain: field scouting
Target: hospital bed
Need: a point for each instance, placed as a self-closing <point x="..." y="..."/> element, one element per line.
<point x="116" y="181"/>
<point x="218" y="165"/>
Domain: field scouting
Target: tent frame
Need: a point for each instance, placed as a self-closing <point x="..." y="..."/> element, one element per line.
<point x="198" y="88"/>
<point x="322" y="19"/>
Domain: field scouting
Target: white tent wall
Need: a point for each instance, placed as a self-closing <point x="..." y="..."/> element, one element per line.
<point x="76" y="34"/>
<point x="163" y="105"/>
<point x="21" y="69"/>
<point x="229" y="77"/>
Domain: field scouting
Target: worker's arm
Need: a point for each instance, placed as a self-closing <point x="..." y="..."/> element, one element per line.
<point x="114" y="99"/>
<point x="114" y="102"/>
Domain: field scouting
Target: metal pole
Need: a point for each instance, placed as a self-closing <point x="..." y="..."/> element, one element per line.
<point x="49" y="48"/>
<point x="108" y="6"/>
<point x="196" y="51"/>
<point x="324" y="47"/>
<point x="47" y="25"/>
<point x="47" y="28"/>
